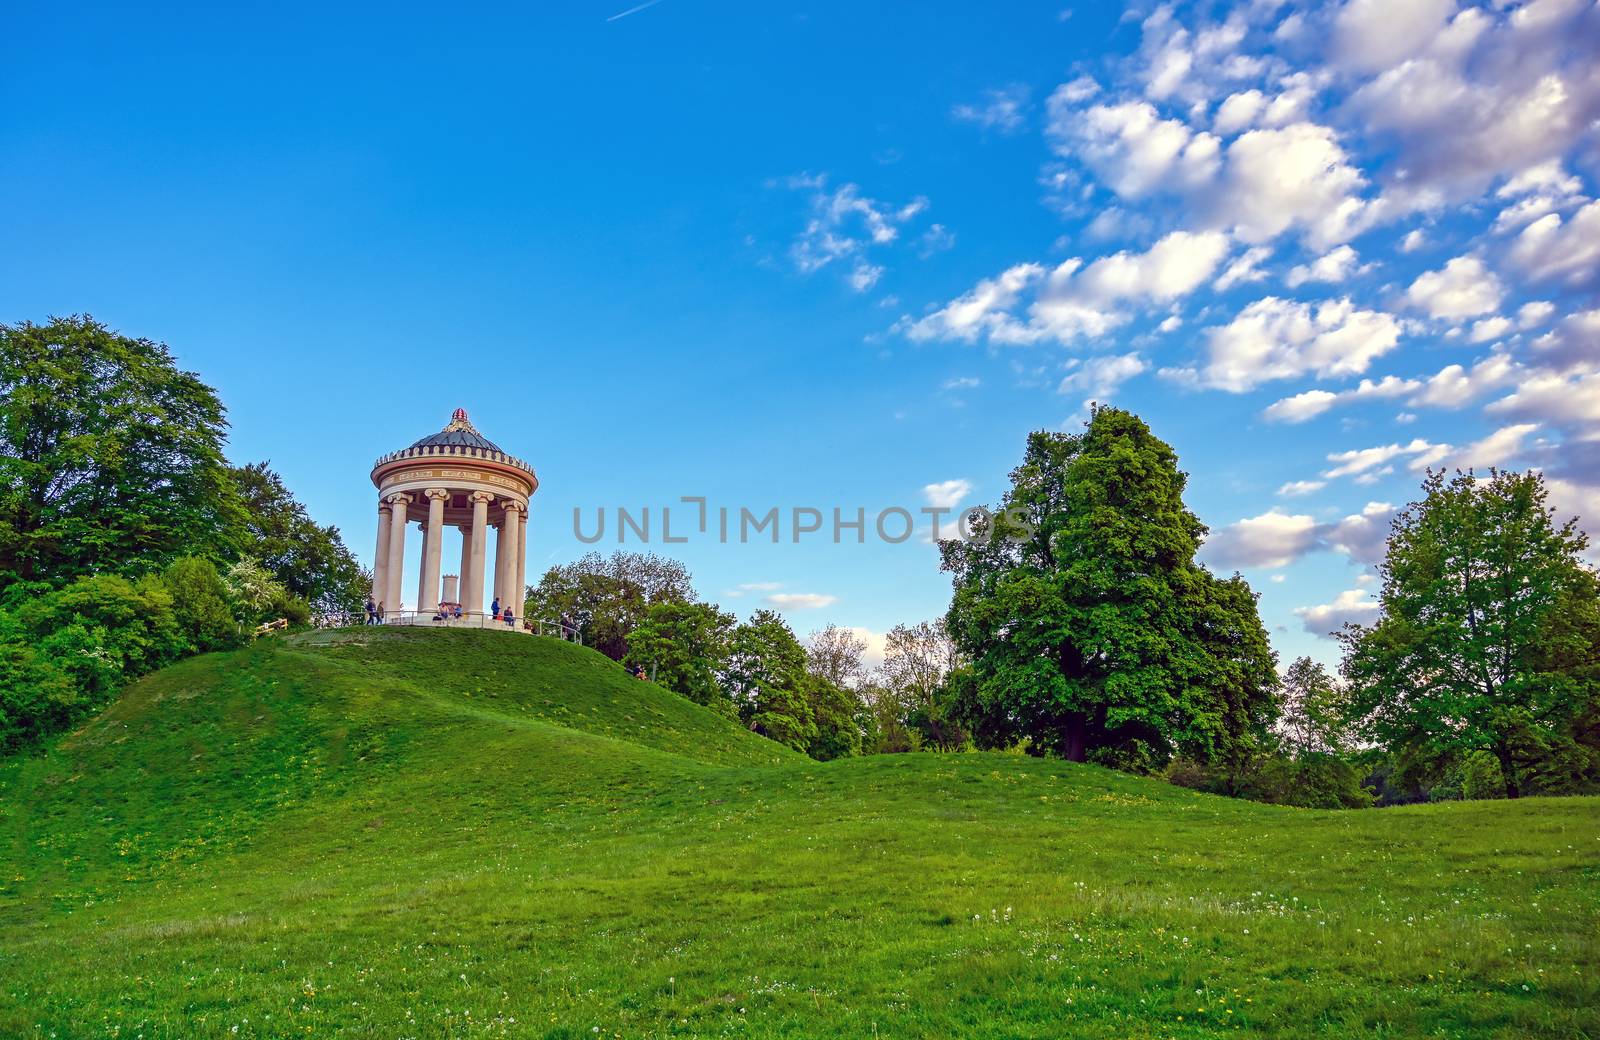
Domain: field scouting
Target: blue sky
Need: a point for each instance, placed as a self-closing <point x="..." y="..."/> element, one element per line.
<point x="844" y="255"/>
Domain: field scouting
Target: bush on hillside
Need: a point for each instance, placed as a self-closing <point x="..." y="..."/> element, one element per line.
<point x="1311" y="781"/>
<point x="203" y="603"/>
<point x="37" y="698"/>
<point x="66" y="652"/>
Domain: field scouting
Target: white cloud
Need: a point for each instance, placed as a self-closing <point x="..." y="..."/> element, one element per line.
<point x="1075" y="302"/>
<point x="1493" y="450"/>
<point x="864" y="276"/>
<point x="1130" y="146"/>
<point x="1081" y="89"/>
<point x="1463" y="288"/>
<point x="1572" y="498"/>
<point x="1486" y="329"/>
<point x="947" y="494"/>
<point x="801" y="600"/>
<point x="1487" y="96"/>
<point x="1297" y="175"/>
<point x="1363" y="536"/>
<point x="1569" y="253"/>
<point x="1000" y="109"/>
<point x="1333" y="266"/>
<point x="1284" y="173"/>
<point x="961" y="383"/>
<point x="1273" y="539"/>
<point x="1312" y="403"/>
<point x="1277" y="339"/>
<point x="1454" y="386"/>
<point x="980" y="312"/>
<point x="1534" y="313"/>
<point x="845" y="224"/>
<point x="1496" y="449"/>
<point x="1239" y="112"/>
<point x="1546" y="178"/>
<point x="1300" y="488"/>
<point x="1573" y="343"/>
<point x="1114" y="222"/>
<point x="1245" y="268"/>
<point x="1301" y="407"/>
<point x="1361" y="460"/>
<point x="877" y="645"/>
<point x="1099" y="377"/>
<point x="1352" y="606"/>
<point x="936" y="239"/>
<point x="1567" y="400"/>
<point x="752" y="586"/>
<point x="1277" y="539"/>
<point x="1372" y="35"/>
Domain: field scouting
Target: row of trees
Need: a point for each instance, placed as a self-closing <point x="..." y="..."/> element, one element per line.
<point x="816" y="696"/>
<point x="127" y="540"/>
<point x="1081" y="625"/>
<point x="1092" y="633"/>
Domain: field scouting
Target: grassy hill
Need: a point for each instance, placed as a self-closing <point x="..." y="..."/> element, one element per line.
<point x="424" y="834"/>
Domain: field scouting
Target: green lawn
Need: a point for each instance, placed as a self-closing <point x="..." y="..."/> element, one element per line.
<point x="380" y="833"/>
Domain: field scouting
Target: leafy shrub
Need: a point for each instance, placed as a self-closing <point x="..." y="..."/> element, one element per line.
<point x="203" y="604"/>
<point x="1130" y="756"/>
<point x="36" y="697"/>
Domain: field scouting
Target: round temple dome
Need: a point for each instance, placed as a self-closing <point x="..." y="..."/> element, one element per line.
<point x="460" y="441"/>
<point x="459" y="434"/>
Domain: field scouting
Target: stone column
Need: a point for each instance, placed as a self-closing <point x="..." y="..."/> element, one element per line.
<point x="397" y="551"/>
<point x="422" y="569"/>
<point x="500" y="547"/>
<point x="466" y="565"/>
<point x="510" y="598"/>
<point x="473" y="601"/>
<point x="428" y="601"/>
<point x="380" y="559"/>
<point x="452" y="588"/>
<point x="521" y="584"/>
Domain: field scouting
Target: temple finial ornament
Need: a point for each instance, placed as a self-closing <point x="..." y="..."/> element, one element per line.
<point x="459" y="422"/>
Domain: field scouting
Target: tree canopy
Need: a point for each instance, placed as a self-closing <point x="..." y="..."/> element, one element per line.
<point x="308" y="559"/>
<point x="684" y="647"/>
<point x="1089" y="626"/>
<point x="606" y="597"/>
<point x="110" y="456"/>
<point x="1489" y="633"/>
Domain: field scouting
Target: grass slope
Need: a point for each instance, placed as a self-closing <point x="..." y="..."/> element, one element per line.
<point x="450" y="834"/>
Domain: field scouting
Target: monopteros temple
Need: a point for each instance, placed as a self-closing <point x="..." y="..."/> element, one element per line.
<point x="456" y="478"/>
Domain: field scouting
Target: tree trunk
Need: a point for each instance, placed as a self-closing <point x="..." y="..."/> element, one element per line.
<point x="1077" y="735"/>
<point x="1508" y="772"/>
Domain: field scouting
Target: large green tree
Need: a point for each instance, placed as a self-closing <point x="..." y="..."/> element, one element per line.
<point x="1088" y="625"/>
<point x="766" y="677"/>
<point x="1489" y="636"/>
<point x="1314" y="709"/>
<point x="110" y="456"/>
<point x="308" y="559"/>
<point x="917" y="662"/>
<point x="606" y="597"/>
<point x="685" y="646"/>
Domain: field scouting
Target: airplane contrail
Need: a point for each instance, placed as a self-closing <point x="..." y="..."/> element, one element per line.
<point x="633" y="10"/>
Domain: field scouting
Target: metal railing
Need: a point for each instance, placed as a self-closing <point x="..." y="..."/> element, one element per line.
<point x="467" y="619"/>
